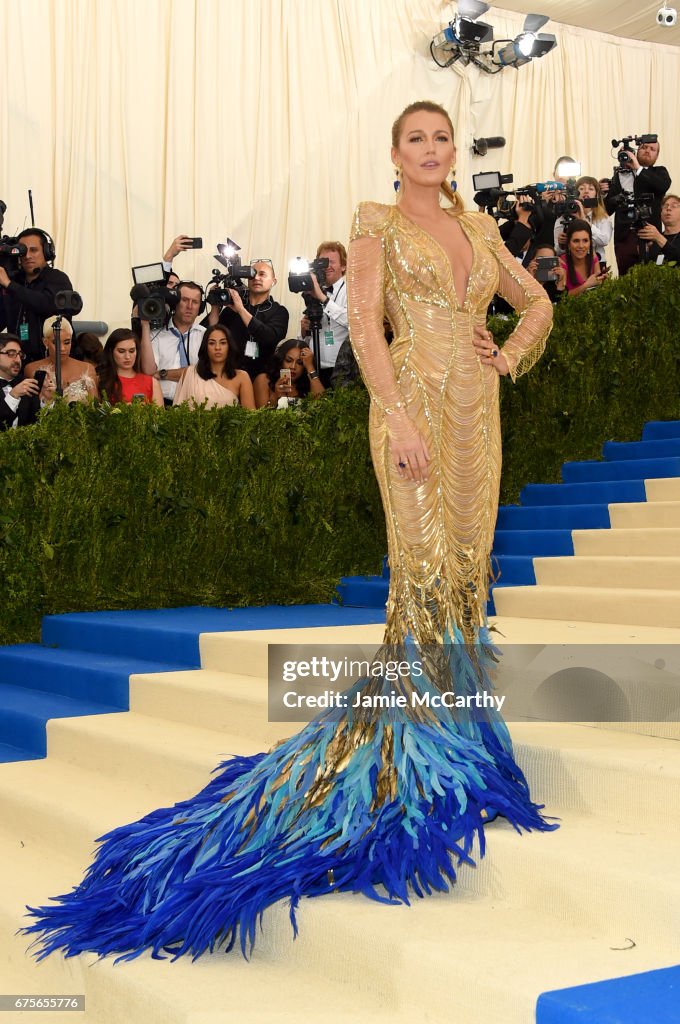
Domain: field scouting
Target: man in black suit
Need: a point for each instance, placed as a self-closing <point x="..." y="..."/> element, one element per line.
<point x="19" y="401"/>
<point x="640" y="176"/>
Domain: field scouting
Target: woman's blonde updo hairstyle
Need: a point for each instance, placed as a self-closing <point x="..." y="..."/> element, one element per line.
<point x="431" y="108"/>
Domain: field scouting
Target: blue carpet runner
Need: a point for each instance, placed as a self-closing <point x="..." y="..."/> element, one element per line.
<point x="84" y="664"/>
<point x="542" y="523"/>
<point x="649" y="998"/>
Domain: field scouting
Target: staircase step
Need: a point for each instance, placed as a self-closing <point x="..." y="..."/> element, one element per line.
<point x="658" y="513"/>
<point x="658" y="449"/>
<point x="513" y="569"/>
<point x="363" y="591"/>
<point x="657" y="429"/>
<point x="428" y="961"/>
<point x="622" y="469"/>
<point x="246" y="653"/>
<point x="74" y="673"/>
<point x="652" y="996"/>
<point x="604" y="491"/>
<point x="532" y="542"/>
<point x="553" y="517"/>
<point x="229" y="704"/>
<point x="24" y="714"/>
<point x="9" y="753"/>
<point x="628" y="542"/>
<point x="137" y="746"/>
<point x="609" y="571"/>
<point x="591" y="604"/>
<point x="663" y="489"/>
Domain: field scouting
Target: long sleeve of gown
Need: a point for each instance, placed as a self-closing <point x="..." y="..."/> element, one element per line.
<point x="365" y="307"/>
<point x="526" y="344"/>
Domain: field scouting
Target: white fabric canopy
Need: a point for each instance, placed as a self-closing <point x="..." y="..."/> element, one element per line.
<point x="628" y="18"/>
<point x="135" y="120"/>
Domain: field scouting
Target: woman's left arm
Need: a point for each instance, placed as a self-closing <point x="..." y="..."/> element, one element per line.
<point x="526" y="344"/>
<point x="156" y="393"/>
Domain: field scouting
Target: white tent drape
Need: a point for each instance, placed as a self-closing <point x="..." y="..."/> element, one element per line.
<point x="135" y="120"/>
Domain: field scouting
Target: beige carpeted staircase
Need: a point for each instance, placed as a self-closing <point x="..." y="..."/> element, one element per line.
<point x="598" y="898"/>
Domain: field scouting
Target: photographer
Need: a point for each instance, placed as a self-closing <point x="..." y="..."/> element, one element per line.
<point x="334" y="328"/>
<point x="554" y="279"/>
<point x="28" y="294"/>
<point x="637" y="175"/>
<point x="19" y="401"/>
<point x="257" y="325"/>
<point x="168" y="351"/>
<point x="523" y="226"/>
<point x="595" y="213"/>
<point x="662" y="248"/>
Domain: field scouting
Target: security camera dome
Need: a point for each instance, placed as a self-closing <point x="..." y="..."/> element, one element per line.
<point x="666" y="16"/>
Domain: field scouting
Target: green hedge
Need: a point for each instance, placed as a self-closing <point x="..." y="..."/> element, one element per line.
<point x="136" y="507"/>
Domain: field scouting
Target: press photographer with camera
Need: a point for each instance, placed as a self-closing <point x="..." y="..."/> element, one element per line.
<point x="664" y="247"/>
<point x="589" y="206"/>
<point x="333" y="298"/>
<point x="256" y="322"/>
<point x="523" y="226"/>
<point x="167" y="351"/>
<point x="545" y="266"/>
<point x="635" y="195"/>
<point x="28" y="292"/>
<point x="19" y="395"/>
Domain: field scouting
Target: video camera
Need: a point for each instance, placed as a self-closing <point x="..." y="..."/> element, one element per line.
<point x="11" y="249"/>
<point x="635" y="211"/>
<point x="623" y="154"/>
<point x="501" y="203"/>
<point x="300" y="280"/>
<point x="217" y="293"/>
<point x="155" y="301"/>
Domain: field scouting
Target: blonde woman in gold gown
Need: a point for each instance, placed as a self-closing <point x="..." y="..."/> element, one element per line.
<point x="382" y="803"/>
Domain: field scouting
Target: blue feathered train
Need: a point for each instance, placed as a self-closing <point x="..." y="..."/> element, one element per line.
<point x="386" y="805"/>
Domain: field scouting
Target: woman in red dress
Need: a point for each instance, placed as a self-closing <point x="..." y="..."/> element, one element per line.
<point x="119" y="376"/>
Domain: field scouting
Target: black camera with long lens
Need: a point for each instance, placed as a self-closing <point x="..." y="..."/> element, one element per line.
<point x="217" y="292"/>
<point x="155" y="301"/>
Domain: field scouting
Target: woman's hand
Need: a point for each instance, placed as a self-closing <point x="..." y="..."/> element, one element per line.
<point x="49" y="390"/>
<point x="282" y="388"/>
<point x="409" y="452"/>
<point x="487" y="350"/>
<point x="594" y="280"/>
<point x="560" y="277"/>
<point x="307" y="357"/>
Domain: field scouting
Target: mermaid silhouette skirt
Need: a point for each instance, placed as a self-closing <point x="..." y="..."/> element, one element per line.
<point x="385" y="804"/>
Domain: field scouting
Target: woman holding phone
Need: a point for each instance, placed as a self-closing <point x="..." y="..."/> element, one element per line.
<point x="78" y="379"/>
<point x="119" y="376"/>
<point x="292" y="376"/>
<point x="580" y="261"/>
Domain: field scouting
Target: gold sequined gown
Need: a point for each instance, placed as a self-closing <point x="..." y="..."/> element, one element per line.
<point x="384" y="804"/>
<point x="440" y="532"/>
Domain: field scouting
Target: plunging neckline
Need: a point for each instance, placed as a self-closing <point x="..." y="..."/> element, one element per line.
<point x="461" y="305"/>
